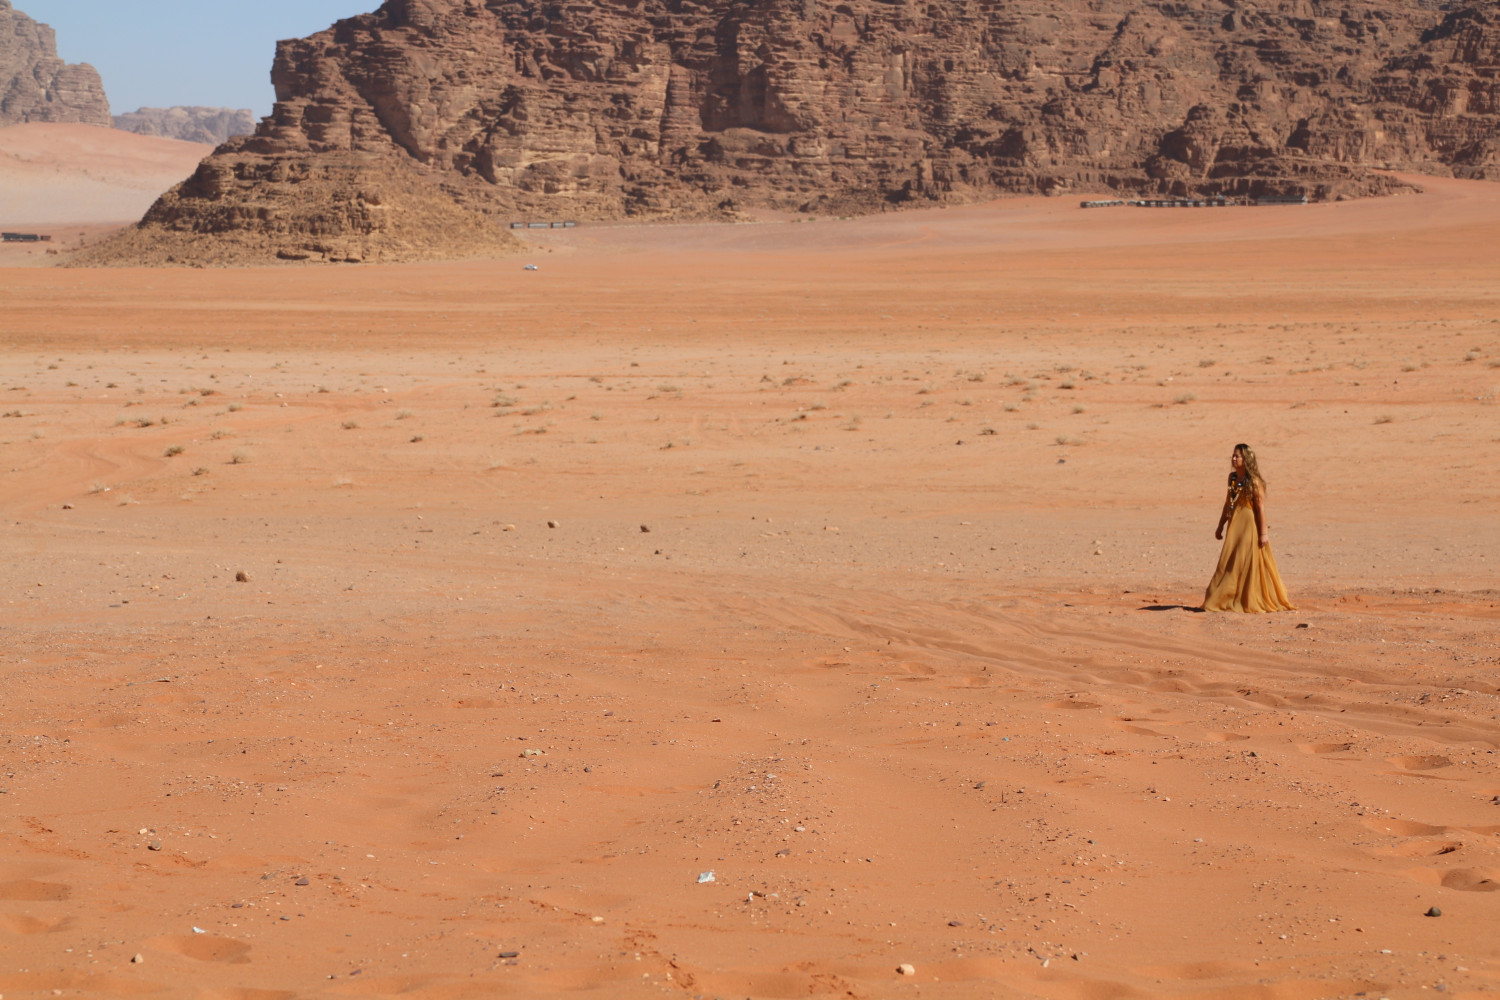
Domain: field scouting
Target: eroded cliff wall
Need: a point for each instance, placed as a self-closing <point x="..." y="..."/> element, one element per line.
<point x="502" y="109"/>
<point x="37" y="86"/>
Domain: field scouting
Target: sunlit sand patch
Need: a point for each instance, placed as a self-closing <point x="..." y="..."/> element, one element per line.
<point x="1401" y="827"/>
<point x="32" y="891"/>
<point x="20" y="924"/>
<point x="203" y="947"/>
<point x="1423" y="848"/>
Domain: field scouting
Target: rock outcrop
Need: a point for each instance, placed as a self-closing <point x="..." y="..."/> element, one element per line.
<point x="37" y="86"/>
<point x="210" y="125"/>
<point x="508" y="109"/>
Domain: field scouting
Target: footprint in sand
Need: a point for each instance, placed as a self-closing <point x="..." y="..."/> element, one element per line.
<point x="1461" y="879"/>
<point x="1421" y="762"/>
<point x="31" y="891"/>
<point x="245" y="993"/>
<point x="1196" y="971"/>
<point x="1472" y="880"/>
<point x="17" y="924"/>
<point x="1318" y="749"/>
<point x="1402" y="827"/>
<point x="204" y="947"/>
<point x="1139" y="730"/>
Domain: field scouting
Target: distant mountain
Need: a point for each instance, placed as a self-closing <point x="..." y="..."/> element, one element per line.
<point x="37" y="86"/>
<point x="426" y="127"/>
<point x="211" y="125"/>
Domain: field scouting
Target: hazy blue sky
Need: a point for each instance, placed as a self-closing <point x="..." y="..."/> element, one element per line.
<point x="159" y="53"/>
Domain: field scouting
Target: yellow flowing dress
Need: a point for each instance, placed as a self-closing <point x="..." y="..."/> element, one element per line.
<point x="1246" y="579"/>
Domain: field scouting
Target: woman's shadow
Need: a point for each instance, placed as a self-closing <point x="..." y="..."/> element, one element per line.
<point x="1169" y="607"/>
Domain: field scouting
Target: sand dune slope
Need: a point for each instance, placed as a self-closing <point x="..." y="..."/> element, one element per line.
<point x="57" y="174"/>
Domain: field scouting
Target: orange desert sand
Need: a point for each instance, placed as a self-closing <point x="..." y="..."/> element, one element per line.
<point x="433" y="631"/>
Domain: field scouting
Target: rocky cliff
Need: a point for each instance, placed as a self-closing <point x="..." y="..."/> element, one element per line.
<point x="37" y="86"/>
<point x="502" y="109"/>
<point x="210" y="125"/>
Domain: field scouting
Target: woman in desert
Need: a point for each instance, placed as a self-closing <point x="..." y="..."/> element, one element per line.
<point x="1246" y="579"/>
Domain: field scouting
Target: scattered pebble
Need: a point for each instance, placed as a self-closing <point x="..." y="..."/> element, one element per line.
<point x="139" y="959"/>
<point x="242" y="577"/>
<point x="645" y="529"/>
<point x="1433" y="912"/>
<point x="955" y="923"/>
<point x="533" y="752"/>
<point x="906" y="969"/>
<point x="706" y="877"/>
<point x="552" y="524"/>
<point x="304" y="880"/>
<point x="155" y="845"/>
<point x="510" y="954"/>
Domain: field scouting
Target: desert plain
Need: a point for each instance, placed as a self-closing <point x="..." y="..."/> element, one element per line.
<point x="435" y="630"/>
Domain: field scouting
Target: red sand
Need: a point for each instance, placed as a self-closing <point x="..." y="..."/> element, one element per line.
<point x="911" y="700"/>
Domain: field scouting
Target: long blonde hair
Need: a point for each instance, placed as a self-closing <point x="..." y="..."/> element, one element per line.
<point x="1252" y="468"/>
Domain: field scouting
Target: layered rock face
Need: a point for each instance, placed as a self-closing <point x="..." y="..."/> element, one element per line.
<point x="210" y="125"/>
<point x="37" y="86"/>
<point x="547" y="109"/>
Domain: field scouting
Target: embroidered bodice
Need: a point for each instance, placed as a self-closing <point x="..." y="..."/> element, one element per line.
<point x="1240" y="493"/>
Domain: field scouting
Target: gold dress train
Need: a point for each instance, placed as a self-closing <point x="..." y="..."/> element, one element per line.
<point x="1246" y="579"/>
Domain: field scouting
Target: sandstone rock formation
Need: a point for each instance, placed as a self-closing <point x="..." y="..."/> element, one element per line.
<point x="507" y="109"/>
<point x="37" y="86"/>
<point x="194" y="124"/>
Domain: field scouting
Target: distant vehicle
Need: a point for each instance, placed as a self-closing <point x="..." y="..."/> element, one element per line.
<point x="25" y="238"/>
<point x="532" y="267"/>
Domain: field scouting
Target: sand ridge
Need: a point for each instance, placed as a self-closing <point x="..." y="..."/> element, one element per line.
<point x="852" y="569"/>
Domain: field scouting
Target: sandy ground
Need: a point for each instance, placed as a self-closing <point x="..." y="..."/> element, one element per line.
<point x="64" y="180"/>
<point x="432" y="631"/>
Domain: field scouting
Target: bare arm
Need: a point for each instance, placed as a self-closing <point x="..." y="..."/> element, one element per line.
<point x="1258" y="502"/>
<point x="1226" y="513"/>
